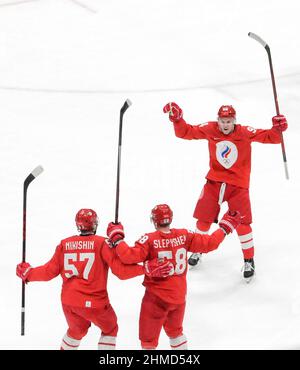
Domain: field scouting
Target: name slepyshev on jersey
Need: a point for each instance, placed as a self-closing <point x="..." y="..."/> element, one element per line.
<point x="166" y="243"/>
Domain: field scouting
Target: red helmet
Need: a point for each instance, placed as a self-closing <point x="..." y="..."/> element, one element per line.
<point x="162" y="215"/>
<point x="226" y="111"/>
<point x="86" y="221"/>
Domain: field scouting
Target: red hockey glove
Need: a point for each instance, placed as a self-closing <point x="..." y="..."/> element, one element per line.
<point x="175" y="112"/>
<point x="22" y="270"/>
<point x="230" y="221"/>
<point x="280" y="123"/>
<point x="157" y="268"/>
<point x="115" y="233"/>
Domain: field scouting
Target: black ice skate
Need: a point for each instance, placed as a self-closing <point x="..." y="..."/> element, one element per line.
<point x="248" y="269"/>
<point x="194" y="259"/>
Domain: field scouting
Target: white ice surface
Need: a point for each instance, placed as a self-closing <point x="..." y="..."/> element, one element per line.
<point x="66" y="68"/>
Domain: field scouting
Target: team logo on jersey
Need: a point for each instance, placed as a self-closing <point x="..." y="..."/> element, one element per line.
<point x="226" y="153"/>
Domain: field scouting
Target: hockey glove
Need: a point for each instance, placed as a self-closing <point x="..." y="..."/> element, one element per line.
<point x="115" y="233"/>
<point x="23" y="270"/>
<point x="280" y="123"/>
<point x="230" y="221"/>
<point x="175" y="112"/>
<point x="157" y="268"/>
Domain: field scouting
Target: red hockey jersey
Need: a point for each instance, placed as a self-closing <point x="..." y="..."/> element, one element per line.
<point x="174" y="247"/>
<point x="230" y="155"/>
<point x="83" y="262"/>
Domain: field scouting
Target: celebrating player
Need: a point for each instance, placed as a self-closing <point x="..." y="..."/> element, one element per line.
<point x="229" y="172"/>
<point x="83" y="261"/>
<point x="163" y="304"/>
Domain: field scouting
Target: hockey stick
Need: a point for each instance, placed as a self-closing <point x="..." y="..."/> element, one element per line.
<point x="126" y="105"/>
<point x="266" y="46"/>
<point x="37" y="171"/>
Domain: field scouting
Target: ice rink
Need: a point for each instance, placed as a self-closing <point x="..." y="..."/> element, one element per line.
<point x="66" y="68"/>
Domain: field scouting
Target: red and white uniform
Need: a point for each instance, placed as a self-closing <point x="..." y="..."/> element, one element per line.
<point x="230" y="155"/>
<point x="83" y="263"/>
<point x="228" y="177"/>
<point x="174" y="247"/>
<point x="166" y="295"/>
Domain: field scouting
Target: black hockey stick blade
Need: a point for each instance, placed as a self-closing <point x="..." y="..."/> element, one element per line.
<point x="33" y="174"/>
<point x="126" y="105"/>
<point x="258" y="38"/>
<point x="37" y="171"/>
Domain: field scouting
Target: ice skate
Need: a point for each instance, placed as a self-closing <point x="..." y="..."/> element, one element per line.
<point x="194" y="259"/>
<point x="248" y="269"/>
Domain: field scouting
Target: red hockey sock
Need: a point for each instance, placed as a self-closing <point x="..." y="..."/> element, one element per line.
<point x="246" y="239"/>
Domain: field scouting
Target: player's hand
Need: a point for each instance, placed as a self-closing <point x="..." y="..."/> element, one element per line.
<point x="230" y="221"/>
<point x="157" y="268"/>
<point x="23" y="270"/>
<point x="175" y="112"/>
<point x="280" y="123"/>
<point x="115" y="233"/>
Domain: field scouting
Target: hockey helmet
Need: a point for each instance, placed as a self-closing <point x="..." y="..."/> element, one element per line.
<point x="226" y="111"/>
<point x="86" y="221"/>
<point x="161" y="215"/>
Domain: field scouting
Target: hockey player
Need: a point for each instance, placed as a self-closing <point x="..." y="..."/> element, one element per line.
<point x="163" y="304"/>
<point x="83" y="262"/>
<point x="229" y="173"/>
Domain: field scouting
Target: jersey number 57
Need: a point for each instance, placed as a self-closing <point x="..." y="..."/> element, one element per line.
<point x="73" y="257"/>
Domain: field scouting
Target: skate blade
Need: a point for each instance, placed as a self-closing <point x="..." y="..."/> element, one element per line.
<point x="249" y="279"/>
<point x="195" y="267"/>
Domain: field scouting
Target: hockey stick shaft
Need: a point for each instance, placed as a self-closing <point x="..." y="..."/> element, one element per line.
<point x="268" y="50"/>
<point x="37" y="171"/>
<point x="125" y="106"/>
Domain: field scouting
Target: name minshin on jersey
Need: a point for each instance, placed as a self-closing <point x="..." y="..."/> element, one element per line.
<point x="79" y="244"/>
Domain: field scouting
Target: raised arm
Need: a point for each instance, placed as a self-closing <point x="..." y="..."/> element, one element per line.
<point x="182" y="129"/>
<point x="135" y="254"/>
<point x="138" y="253"/>
<point x="269" y="136"/>
<point x="121" y="270"/>
<point x="201" y="243"/>
<point x="152" y="268"/>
